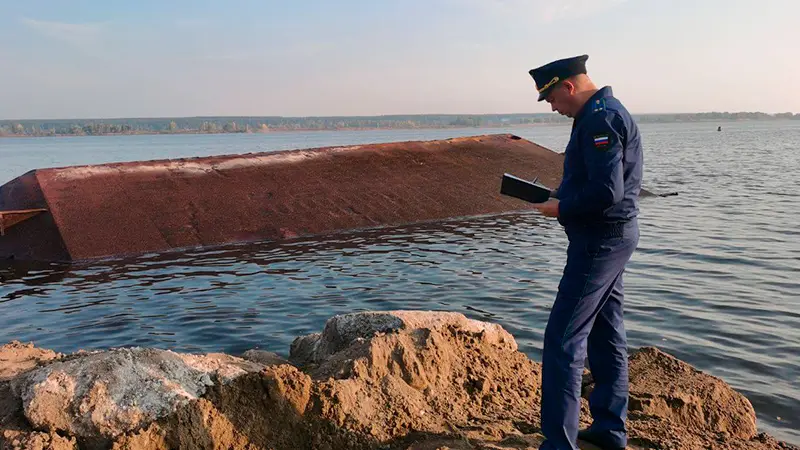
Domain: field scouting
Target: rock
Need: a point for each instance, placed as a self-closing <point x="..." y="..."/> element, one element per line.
<point x="151" y="438"/>
<point x="16" y="358"/>
<point x="10" y="406"/>
<point x="342" y="330"/>
<point x="426" y="376"/>
<point x="386" y="374"/>
<point x="665" y="387"/>
<point x="18" y="440"/>
<point x="264" y="358"/>
<point x="224" y="367"/>
<point x="400" y="380"/>
<point x="103" y="395"/>
<point x="290" y="388"/>
<point x="303" y="349"/>
<point x="267" y="409"/>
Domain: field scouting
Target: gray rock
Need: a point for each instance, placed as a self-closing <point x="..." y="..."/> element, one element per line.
<point x="104" y="394"/>
<point x="342" y="330"/>
<point x="304" y="349"/>
<point x="264" y="358"/>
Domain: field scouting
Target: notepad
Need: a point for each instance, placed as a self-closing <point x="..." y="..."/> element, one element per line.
<point x="530" y="191"/>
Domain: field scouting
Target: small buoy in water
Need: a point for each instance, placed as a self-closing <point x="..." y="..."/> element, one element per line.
<point x="719" y="128"/>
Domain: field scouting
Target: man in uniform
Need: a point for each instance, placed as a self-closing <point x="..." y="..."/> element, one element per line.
<point x="597" y="204"/>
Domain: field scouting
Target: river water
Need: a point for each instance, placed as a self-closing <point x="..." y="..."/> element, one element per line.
<point x="714" y="280"/>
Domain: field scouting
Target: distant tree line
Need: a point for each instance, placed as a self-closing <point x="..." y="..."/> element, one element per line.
<point x="99" y="127"/>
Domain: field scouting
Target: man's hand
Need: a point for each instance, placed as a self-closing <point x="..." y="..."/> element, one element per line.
<point x="548" y="208"/>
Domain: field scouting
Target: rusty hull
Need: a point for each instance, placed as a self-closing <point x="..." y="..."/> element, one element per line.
<point x="131" y="208"/>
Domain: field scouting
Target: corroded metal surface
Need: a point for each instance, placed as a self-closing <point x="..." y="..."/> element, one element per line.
<point x="10" y="218"/>
<point x="137" y="207"/>
<point x="37" y="237"/>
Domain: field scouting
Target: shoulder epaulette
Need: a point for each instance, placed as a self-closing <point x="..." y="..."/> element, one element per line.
<point x="599" y="105"/>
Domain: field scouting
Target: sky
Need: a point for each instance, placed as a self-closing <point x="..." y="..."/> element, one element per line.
<point x="158" y="58"/>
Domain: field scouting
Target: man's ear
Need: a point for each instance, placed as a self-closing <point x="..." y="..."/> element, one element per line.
<point x="570" y="86"/>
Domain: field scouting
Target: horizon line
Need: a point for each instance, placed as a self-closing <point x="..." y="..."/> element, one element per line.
<point x="374" y="115"/>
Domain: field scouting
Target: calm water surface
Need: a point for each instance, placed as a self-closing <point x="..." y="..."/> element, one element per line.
<point x="714" y="280"/>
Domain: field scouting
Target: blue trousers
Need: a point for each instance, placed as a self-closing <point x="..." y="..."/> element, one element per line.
<point x="587" y="318"/>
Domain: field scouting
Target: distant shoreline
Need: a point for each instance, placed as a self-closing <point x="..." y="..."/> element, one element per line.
<point x="278" y="131"/>
<point x="268" y="125"/>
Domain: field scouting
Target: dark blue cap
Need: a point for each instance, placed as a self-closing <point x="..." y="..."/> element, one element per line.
<point x="549" y="75"/>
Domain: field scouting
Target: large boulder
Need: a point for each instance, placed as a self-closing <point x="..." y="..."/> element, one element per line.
<point x="342" y="331"/>
<point x="105" y="394"/>
<point x="389" y="373"/>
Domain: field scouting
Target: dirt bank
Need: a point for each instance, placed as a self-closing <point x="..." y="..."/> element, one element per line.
<point x="397" y="380"/>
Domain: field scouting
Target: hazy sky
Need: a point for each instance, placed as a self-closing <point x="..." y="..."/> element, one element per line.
<point x="117" y="58"/>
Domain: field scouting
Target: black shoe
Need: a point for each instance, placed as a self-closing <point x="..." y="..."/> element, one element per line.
<point x="604" y="441"/>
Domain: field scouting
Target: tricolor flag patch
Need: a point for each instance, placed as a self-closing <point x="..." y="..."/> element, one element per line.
<point x="601" y="141"/>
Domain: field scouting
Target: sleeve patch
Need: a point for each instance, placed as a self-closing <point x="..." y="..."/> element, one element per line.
<point x="602" y="141"/>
